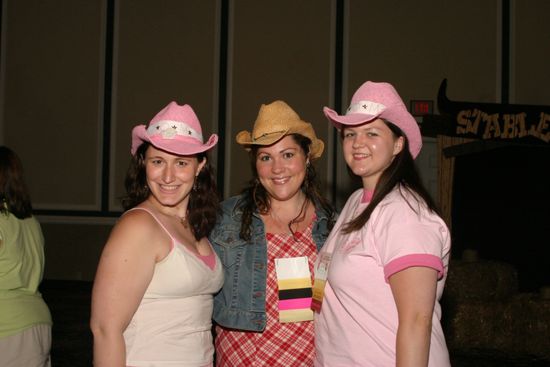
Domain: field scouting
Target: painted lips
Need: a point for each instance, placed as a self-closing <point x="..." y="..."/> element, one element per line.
<point x="280" y="181"/>
<point x="359" y="156"/>
<point x="169" y="187"/>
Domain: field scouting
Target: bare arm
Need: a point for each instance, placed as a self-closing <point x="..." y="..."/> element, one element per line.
<point x="414" y="291"/>
<point x="125" y="270"/>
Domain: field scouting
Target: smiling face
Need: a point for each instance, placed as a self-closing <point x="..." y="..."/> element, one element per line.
<point x="281" y="168"/>
<point x="369" y="149"/>
<point x="170" y="177"/>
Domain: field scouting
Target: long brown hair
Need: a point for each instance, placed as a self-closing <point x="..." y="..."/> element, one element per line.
<point x="256" y="199"/>
<point x="204" y="201"/>
<point x="403" y="172"/>
<point x="14" y="196"/>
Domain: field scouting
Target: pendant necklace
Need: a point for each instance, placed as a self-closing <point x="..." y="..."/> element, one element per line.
<point x="183" y="221"/>
<point x="299" y="218"/>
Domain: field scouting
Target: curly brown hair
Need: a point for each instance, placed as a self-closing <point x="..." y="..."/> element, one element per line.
<point x="204" y="200"/>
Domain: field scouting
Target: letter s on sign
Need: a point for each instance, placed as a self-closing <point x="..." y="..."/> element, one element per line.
<point x="463" y="118"/>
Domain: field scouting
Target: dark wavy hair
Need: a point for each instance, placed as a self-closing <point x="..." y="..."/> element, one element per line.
<point x="256" y="199"/>
<point x="204" y="201"/>
<point x="14" y="196"/>
<point x="403" y="172"/>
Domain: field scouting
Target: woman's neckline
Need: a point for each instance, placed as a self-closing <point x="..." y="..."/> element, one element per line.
<point x="367" y="195"/>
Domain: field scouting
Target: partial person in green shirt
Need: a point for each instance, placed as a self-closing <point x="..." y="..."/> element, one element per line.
<point x="25" y="320"/>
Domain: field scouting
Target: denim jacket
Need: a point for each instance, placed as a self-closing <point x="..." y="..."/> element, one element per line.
<point x="240" y="304"/>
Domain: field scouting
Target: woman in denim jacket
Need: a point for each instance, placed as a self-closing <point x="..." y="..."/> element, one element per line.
<point x="267" y="240"/>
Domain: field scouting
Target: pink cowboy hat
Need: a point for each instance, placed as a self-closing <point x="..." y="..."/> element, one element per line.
<point x="175" y="129"/>
<point x="379" y="100"/>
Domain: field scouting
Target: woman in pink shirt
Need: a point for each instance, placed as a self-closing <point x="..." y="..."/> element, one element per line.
<point x="387" y="255"/>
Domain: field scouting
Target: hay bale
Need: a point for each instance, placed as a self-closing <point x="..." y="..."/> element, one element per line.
<point x="480" y="280"/>
<point x="520" y="324"/>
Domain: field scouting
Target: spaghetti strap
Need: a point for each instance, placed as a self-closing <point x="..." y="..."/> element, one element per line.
<point x="158" y="221"/>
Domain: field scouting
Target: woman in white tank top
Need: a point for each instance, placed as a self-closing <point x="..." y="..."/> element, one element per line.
<point x="152" y="296"/>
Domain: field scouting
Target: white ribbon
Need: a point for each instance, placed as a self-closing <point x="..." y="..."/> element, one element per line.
<point x="170" y="129"/>
<point x="365" y="107"/>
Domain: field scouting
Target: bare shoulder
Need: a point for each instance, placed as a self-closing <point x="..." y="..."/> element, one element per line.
<point x="136" y="223"/>
<point x="136" y="230"/>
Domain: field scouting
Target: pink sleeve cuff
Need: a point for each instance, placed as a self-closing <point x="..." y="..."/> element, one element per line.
<point x="407" y="261"/>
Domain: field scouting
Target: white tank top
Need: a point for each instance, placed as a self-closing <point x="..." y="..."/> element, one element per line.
<point x="172" y="325"/>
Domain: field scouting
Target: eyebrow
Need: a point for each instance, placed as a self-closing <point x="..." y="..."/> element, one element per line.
<point x="279" y="152"/>
<point x="181" y="157"/>
<point x="363" y="128"/>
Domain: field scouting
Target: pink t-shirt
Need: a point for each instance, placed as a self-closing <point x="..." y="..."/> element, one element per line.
<point x="358" y="322"/>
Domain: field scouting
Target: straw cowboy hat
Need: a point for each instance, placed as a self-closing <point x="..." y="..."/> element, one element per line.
<point x="275" y="121"/>
<point x="379" y="100"/>
<point x="175" y="129"/>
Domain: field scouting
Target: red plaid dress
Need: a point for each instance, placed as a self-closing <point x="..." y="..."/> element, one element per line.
<point x="285" y="345"/>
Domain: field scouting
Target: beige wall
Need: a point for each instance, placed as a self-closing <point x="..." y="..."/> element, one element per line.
<point x="52" y="87"/>
<point x="52" y="98"/>
<point x="530" y="53"/>
<point x="280" y="50"/>
<point x="164" y="51"/>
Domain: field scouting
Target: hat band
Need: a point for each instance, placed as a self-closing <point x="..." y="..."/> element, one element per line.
<point x="254" y="138"/>
<point x="365" y="107"/>
<point x="170" y="129"/>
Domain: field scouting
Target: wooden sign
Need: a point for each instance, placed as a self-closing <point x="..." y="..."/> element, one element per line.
<point x="488" y="121"/>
